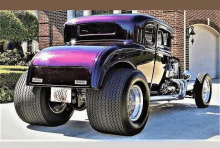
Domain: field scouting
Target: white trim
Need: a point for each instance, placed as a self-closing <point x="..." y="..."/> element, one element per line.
<point x="208" y="21"/>
<point x="35" y="13"/>
<point x="184" y="40"/>
<point x="135" y="12"/>
<point x="87" y="12"/>
<point x="218" y="57"/>
<point x="116" y="11"/>
<point x="211" y="29"/>
<point x="70" y="14"/>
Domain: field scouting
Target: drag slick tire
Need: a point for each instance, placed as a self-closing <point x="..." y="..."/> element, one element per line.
<point x="33" y="106"/>
<point x="203" y="90"/>
<point x="121" y="106"/>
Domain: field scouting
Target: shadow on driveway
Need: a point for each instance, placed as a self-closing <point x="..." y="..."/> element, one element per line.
<point x="169" y="121"/>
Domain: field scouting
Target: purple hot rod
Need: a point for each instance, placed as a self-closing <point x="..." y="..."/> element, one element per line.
<point x="111" y="65"/>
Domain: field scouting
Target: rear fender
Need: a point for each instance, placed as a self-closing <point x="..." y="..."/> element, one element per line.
<point x="104" y="64"/>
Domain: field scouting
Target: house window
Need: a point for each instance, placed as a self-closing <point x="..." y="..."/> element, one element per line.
<point x="98" y="12"/>
<point x="78" y="13"/>
<point x="29" y="46"/>
<point x="126" y="11"/>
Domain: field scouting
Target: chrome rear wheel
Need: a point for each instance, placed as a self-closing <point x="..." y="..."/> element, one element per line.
<point x="135" y="103"/>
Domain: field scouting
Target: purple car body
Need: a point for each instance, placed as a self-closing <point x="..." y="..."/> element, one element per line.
<point x="114" y="42"/>
<point x="83" y="56"/>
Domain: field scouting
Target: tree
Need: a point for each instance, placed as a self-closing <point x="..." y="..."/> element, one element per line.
<point x="18" y="26"/>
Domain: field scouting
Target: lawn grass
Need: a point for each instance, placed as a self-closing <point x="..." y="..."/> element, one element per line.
<point x="14" y="69"/>
<point x="9" y="71"/>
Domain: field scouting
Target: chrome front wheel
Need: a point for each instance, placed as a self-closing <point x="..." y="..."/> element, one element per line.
<point x="206" y="90"/>
<point x="203" y="90"/>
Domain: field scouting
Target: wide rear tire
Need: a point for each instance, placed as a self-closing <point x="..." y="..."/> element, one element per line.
<point x="33" y="106"/>
<point x="109" y="109"/>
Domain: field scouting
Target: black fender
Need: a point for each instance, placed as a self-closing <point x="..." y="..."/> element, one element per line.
<point x="105" y="61"/>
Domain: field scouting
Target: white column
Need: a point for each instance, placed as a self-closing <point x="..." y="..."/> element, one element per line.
<point x="70" y="14"/>
<point x="218" y="57"/>
<point x="36" y="13"/>
<point x="135" y="11"/>
<point x="24" y="47"/>
<point x="116" y="11"/>
<point x="208" y="21"/>
<point x="87" y="12"/>
<point x="35" y="45"/>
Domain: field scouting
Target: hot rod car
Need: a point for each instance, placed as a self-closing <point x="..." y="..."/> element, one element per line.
<point x="111" y="65"/>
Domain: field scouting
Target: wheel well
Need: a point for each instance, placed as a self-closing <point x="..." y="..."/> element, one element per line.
<point x="122" y="65"/>
<point x="117" y="65"/>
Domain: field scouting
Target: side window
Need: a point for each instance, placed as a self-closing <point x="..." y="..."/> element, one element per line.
<point x="150" y="34"/>
<point x="167" y="39"/>
<point x="160" y="38"/>
<point x="164" y="38"/>
<point x="139" y="35"/>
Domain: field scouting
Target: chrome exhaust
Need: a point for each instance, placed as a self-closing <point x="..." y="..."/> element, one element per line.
<point x="182" y="86"/>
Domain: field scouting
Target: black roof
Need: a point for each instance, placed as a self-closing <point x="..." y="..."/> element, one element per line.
<point x="135" y="18"/>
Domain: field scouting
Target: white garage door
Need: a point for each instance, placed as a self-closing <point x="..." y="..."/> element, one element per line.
<point x="203" y="53"/>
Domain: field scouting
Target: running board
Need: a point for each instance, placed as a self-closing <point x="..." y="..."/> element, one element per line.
<point x="165" y="98"/>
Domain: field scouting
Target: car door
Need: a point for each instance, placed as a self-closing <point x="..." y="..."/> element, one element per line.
<point x="162" y="54"/>
<point x="148" y="53"/>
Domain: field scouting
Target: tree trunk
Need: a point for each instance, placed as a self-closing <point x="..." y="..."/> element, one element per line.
<point x="19" y="48"/>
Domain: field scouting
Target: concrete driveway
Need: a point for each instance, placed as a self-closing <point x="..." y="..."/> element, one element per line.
<point x="175" y="120"/>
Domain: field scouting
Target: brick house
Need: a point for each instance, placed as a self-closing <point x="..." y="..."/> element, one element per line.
<point x="202" y="55"/>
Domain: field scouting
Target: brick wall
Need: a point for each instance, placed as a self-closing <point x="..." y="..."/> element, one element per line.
<point x="201" y="17"/>
<point x="175" y="19"/>
<point x="51" y="27"/>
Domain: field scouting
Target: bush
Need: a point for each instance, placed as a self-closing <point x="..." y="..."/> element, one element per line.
<point x="7" y="85"/>
<point x="9" y="80"/>
<point x="10" y="57"/>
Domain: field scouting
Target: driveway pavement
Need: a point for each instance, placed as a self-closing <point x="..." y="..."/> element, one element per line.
<point x="175" y="120"/>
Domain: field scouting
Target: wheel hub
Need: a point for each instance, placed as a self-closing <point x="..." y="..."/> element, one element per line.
<point x="206" y="90"/>
<point x="57" y="107"/>
<point x="135" y="103"/>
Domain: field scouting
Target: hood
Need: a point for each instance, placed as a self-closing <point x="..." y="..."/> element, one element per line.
<point x="83" y="56"/>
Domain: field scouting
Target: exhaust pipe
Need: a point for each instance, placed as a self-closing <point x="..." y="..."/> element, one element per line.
<point x="182" y="86"/>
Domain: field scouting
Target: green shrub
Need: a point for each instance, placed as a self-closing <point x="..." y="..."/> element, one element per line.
<point x="6" y="95"/>
<point x="9" y="57"/>
<point x="9" y="80"/>
<point x="7" y="85"/>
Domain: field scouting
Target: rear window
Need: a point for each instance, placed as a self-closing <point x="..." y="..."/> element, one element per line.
<point x="96" y="29"/>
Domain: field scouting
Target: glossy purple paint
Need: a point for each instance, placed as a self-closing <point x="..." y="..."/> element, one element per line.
<point x="68" y="56"/>
<point x="99" y="18"/>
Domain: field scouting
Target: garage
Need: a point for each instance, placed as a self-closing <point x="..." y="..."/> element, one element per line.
<point x="204" y="52"/>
